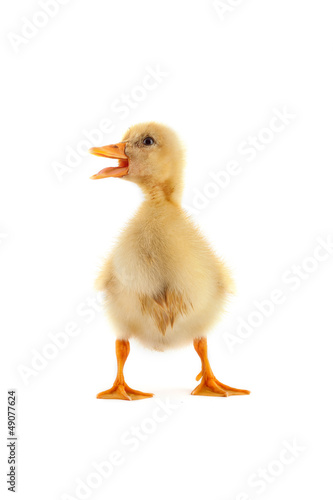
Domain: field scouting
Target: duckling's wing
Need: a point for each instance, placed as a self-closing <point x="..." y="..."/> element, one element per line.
<point x="165" y="307"/>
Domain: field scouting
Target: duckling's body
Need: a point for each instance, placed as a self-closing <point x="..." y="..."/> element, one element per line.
<point x="163" y="283"/>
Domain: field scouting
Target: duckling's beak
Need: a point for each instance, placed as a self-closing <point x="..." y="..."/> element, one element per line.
<point x="113" y="151"/>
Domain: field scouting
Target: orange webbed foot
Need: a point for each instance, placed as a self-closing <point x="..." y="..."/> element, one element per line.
<point x="210" y="386"/>
<point x="123" y="391"/>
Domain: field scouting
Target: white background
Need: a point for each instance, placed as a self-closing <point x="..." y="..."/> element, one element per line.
<point x="223" y="77"/>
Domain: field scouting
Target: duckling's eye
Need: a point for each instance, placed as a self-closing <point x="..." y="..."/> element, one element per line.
<point x="148" y="141"/>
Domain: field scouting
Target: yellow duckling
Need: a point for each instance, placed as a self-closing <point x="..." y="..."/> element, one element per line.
<point x="163" y="283"/>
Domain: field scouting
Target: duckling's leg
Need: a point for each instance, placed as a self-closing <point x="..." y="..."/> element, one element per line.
<point x="120" y="389"/>
<point x="210" y="386"/>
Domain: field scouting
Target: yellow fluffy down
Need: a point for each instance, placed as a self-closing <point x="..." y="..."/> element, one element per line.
<point x="163" y="283"/>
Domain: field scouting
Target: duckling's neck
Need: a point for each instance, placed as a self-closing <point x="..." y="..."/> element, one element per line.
<point x="165" y="192"/>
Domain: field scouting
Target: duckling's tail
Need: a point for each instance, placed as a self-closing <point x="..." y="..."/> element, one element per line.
<point x="226" y="282"/>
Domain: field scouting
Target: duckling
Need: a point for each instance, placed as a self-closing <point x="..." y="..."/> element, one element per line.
<point x="163" y="283"/>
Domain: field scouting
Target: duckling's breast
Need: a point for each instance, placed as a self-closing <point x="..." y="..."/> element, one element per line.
<point x="165" y="286"/>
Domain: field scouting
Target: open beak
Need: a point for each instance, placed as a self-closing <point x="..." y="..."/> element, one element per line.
<point x="113" y="151"/>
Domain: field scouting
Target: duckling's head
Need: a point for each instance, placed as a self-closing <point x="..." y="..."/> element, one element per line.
<point x="151" y="155"/>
